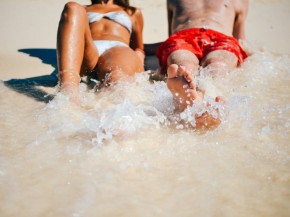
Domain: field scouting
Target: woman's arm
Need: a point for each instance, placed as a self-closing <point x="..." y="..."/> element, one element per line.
<point x="136" y="40"/>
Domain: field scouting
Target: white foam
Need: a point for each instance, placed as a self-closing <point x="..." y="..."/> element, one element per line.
<point x="125" y="151"/>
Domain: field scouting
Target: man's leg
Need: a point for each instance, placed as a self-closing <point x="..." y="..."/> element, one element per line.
<point x="219" y="63"/>
<point x="182" y="66"/>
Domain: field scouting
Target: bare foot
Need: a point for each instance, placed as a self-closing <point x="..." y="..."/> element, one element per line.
<point x="181" y="84"/>
<point x="206" y="120"/>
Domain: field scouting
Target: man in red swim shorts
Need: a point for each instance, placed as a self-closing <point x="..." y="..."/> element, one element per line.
<point x="201" y="33"/>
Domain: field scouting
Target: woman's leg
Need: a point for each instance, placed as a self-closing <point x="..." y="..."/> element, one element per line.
<point x="75" y="47"/>
<point x="118" y="62"/>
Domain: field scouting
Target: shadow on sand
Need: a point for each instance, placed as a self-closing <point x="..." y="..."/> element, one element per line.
<point x="31" y="86"/>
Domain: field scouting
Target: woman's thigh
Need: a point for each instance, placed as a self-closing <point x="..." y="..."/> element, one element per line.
<point x="90" y="53"/>
<point x="119" y="62"/>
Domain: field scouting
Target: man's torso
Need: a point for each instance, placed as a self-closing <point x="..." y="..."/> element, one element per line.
<point x="218" y="15"/>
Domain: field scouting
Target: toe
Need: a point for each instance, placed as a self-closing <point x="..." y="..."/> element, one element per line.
<point x="220" y="99"/>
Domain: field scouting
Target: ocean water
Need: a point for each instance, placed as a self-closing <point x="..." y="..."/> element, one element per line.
<point x="124" y="151"/>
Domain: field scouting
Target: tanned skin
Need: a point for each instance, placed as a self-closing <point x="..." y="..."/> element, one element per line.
<point x="77" y="55"/>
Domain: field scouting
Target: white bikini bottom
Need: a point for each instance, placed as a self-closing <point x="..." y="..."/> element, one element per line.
<point x="104" y="45"/>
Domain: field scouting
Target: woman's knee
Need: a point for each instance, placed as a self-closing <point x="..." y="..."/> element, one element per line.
<point x="72" y="9"/>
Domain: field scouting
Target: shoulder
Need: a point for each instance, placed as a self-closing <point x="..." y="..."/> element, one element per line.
<point x="90" y="8"/>
<point x="134" y="12"/>
<point x="135" y="15"/>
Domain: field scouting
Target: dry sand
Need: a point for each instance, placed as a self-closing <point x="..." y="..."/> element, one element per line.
<point x="28" y="31"/>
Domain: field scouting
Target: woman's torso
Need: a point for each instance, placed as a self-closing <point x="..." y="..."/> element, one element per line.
<point x="107" y="23"/>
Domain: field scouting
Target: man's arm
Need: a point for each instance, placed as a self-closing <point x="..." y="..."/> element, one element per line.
<point x="240" y="19"/>
<point x="169" y="17"/>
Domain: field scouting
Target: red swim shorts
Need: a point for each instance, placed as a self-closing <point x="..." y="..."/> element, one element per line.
<point x="199" y="41"/>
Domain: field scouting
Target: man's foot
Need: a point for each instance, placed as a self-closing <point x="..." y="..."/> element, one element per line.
<point x="181" y="84"/>
<point x="206" y="120"/>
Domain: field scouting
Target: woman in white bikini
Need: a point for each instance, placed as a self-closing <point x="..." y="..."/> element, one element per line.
<point x="105" y="37"/>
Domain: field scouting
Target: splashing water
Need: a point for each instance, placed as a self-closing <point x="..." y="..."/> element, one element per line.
<point x="125" y="152"/>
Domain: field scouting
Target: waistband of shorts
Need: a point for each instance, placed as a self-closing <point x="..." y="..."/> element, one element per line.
<point x="202" y="29"/>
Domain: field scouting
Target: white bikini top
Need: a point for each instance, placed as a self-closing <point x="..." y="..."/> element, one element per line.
<point x="119" y="17"/>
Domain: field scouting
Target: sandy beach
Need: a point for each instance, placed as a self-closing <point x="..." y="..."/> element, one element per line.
<point x="126" y="152"/>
